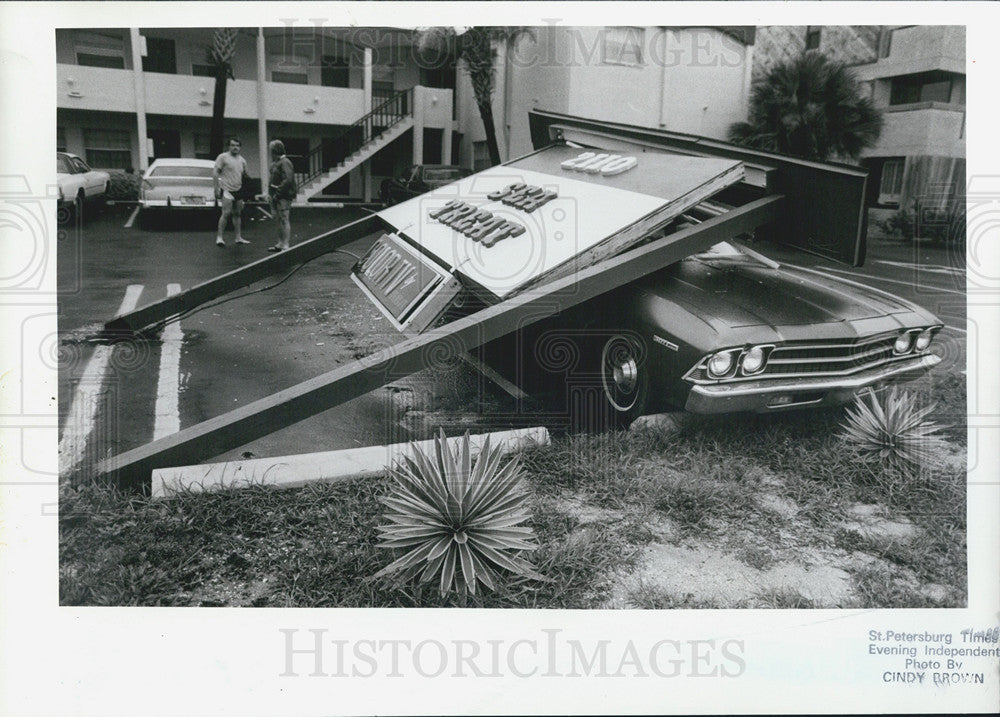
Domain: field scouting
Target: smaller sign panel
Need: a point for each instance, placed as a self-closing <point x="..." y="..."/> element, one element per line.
<point x="409" y="289"/>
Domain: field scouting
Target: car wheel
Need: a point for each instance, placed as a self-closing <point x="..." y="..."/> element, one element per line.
<point x="624" y="379"/>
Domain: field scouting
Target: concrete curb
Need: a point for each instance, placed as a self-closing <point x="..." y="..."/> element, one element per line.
<point x="330" y="466"/>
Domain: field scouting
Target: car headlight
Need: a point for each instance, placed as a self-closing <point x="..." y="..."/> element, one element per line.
<point x="904" y="343"/>
<point x="924" y="339"/>
<point x="721" y="364"/>
<point x="753" y="360"/>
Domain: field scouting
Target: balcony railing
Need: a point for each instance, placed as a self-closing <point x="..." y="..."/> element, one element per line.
<point x="334" y="151"/>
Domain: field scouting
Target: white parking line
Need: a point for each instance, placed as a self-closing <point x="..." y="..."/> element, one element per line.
<point x="880" y="279"/>
<point x="131" y="218"/>
<point x="168" y="419"/>
<point x="87" y="396"/>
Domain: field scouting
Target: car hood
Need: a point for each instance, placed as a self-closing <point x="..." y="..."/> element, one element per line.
<point x="741" y="292"/>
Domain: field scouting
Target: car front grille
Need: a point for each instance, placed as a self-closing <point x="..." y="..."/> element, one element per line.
<point x="827" y="358"/>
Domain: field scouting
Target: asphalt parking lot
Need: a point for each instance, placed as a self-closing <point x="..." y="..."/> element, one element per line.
<point x="232" y="353"/>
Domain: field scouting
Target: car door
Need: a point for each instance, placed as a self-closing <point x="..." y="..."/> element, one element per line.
<point x="92" y="182"/>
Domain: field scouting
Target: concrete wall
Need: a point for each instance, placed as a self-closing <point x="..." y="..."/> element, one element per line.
<point x="101" y="88"/>
<point x="935" y="129"/>
<point x="692" y="80"/>
<point x="94" y="88"/>
<point x="918" y="48"/>
<point x="920" y="42"/>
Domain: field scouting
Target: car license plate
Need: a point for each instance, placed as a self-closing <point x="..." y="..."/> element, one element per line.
<point x="194" y="200"/>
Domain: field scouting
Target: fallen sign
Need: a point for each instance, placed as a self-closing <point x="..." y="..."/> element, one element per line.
<point x="586" y="232"/>
<point x="272" y="413"/>
<point x="551" y="213"/>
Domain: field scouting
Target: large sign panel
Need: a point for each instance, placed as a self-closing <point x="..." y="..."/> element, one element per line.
<point x="553" y="212"/>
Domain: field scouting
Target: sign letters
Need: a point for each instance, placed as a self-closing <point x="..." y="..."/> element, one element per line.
<point x="394" y="274"/>
<point x="477" y="224"/>
<point x="605" y="164"/>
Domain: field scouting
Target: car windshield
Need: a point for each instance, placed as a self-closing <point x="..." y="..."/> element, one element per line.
<point x="62" y="165"/>
<point x="175" y="170"/>
<point x="444" y="174"/>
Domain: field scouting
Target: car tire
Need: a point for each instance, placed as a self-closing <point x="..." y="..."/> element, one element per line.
<point x="624" y="379"/>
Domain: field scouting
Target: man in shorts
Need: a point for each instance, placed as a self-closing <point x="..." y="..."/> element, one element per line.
<point x="282" y="192"/>
<point x="227" y="176"/>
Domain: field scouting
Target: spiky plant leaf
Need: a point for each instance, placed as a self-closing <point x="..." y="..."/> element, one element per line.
<point x="459" y="522"/>
<point x="897" y="433"/>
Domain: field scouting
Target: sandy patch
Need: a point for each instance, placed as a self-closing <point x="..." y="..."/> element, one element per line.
<point x="869" y="521"/>
<point x="704" y="573"/>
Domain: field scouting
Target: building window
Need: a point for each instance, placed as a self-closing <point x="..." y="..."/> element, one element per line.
<point x="291" y="78"/>
<point x="922" y="87"/>
<point x="61" y="139"/>
<point x="107" y="148"/>
<point x="290" y="69"/>
<point x="335" y="71"/>
<point x="202" y="146"/>
<point x="891" y="186"/>
<point x="381" y="92"/>
<point x="160" y="56"/>
<point x="480" y="156"/>
<point x="622" y="46"/>
<point x="813" y="36"/>
<point x="98" y="49"/>
<point x="297" y="150"/>
<point x="199" y="70"/>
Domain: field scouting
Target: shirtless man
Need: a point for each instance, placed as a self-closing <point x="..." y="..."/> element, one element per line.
<point x="227" y="176"/>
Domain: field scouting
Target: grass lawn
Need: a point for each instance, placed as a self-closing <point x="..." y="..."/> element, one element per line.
<point x="734" y="511"/>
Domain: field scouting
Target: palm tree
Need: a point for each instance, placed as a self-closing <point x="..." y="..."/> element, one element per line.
<point x="220" y="57"/>
<point x="810" y="107"/>
<point x="477" y="47"/>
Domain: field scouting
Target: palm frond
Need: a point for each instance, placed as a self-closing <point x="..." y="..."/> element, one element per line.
<point x="811" y="107"/>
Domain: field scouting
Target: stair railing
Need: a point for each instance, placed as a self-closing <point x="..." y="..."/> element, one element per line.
<point x="332" y="152"/>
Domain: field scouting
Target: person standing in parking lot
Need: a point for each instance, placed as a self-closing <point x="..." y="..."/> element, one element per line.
<point x="282" y="192"/>
<point x="227" y="175"/>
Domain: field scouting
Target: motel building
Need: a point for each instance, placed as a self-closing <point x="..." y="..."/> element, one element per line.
<point x="356" y="106"/>
<point x="916" y="76"/>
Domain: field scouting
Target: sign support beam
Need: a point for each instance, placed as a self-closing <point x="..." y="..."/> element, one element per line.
<point x="272" y="413"/>
<point x="163" y="309"/>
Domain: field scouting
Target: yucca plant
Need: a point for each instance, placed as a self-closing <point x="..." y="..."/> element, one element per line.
<point x="459" y="524"/>
<point x="895" y="433"/>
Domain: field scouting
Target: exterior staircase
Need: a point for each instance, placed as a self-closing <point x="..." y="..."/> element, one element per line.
<point x="336" y="157"/>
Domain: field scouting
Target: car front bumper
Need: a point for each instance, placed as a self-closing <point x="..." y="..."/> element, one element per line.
<point x="769" y="395"/>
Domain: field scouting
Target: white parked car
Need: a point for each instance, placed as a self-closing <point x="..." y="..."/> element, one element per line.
<point x="78" y="183"/>
<point x="171" y="184"/>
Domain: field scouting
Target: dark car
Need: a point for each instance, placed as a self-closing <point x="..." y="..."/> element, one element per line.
<point x="419" y="179"/>
<point x="728" y="330"/>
